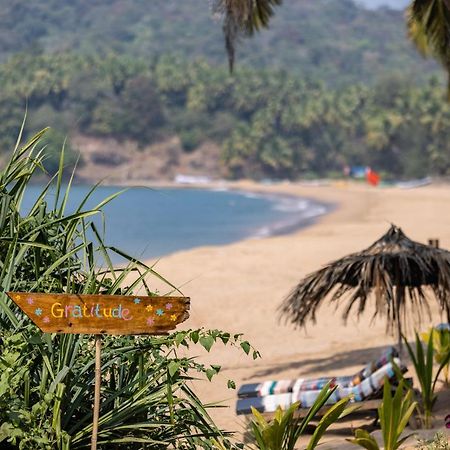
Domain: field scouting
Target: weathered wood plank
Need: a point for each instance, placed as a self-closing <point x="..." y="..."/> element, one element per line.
<point x="102" y="314"/>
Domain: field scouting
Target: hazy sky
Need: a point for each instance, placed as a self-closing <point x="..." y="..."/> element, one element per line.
<point x="400" y="4"/>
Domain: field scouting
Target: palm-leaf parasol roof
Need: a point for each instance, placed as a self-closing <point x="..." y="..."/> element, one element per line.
<point x="394" y="270"/>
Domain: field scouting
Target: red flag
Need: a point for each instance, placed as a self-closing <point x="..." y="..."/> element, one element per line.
<point x="372" y="177"/>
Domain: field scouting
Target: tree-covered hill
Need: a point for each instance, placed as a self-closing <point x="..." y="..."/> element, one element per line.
<point x="330" y="84"/>
<point x="334" y="40"/>
<point x="266" y="122"/>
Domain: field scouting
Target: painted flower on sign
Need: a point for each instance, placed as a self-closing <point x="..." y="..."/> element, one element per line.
<point x="38" y="311"/>
<point x="160" y="312"/>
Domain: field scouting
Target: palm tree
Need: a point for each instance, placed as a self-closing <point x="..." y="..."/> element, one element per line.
<point x="243" y="18"/>
<point x="429" y="29"/>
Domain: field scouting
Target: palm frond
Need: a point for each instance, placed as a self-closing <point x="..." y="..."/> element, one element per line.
<point x="243" y="18"/>
<point x="429" y="29"/>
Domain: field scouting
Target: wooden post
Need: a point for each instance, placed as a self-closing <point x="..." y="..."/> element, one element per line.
<point x="98" y="315"/>
<point x="399" y="298"/>
<point x="98" y="379"/>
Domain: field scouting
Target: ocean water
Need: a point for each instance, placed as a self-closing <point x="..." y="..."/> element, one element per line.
<point x="149" y="223"/>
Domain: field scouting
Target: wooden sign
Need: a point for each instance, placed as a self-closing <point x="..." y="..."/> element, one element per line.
<point x="102" y="314"/>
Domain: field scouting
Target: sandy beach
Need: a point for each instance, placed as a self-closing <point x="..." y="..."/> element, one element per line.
<point x="239" y="287"/>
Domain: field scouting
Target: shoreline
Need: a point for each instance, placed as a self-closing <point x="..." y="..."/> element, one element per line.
<point x="249" y="189"/>
<point x="239" y="287"/>
<point x="276" y="214"/>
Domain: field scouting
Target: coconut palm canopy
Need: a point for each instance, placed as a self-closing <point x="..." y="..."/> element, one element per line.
<point x="243" y="18"/>
<point x="395" y="270"/>
<point x="429" y="29"/>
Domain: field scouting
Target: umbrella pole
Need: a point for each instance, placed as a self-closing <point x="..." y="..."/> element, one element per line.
<point x="399" y="295"/>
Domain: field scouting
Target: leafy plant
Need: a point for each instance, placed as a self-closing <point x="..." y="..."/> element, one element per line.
<point x="46" y="380"/>
<point x="441" y="348"/>
<point x="283" y="432"/>
<point x="394" y="412"/>
<point x="423" y="365"/>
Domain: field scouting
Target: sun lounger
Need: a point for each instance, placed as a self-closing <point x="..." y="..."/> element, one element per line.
<point x="285" y="386"/>
<point x="267" y="396"/>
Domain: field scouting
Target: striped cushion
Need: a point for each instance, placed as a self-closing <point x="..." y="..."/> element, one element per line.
<point x="360" y="392"/>
<point x="272" y="387"/>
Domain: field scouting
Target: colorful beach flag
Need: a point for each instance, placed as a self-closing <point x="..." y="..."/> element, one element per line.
<point x="372" y="177"/>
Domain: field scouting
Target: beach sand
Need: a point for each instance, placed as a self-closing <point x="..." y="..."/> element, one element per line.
<point x="239" y="287"/>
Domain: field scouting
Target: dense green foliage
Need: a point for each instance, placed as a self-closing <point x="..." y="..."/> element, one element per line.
<point x="428" y="25"/>
<point x="422" y="359"/>
<point x="394" y="413"/>
<point x="269" y="123"/>
<point x="334" y="40"/>
<point x="46" y="380"/>
<point x="341" y="85"/>
<point x="441" y="348"/>
<point x="285" y="429"/>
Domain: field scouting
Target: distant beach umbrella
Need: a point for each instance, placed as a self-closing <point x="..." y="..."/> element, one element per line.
<point x="401" y="275"/>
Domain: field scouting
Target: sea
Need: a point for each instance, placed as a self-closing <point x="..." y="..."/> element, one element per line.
<point x="149" y="223"/>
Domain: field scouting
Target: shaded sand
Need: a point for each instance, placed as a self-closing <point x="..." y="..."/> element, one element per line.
<point x="239" y="287"/>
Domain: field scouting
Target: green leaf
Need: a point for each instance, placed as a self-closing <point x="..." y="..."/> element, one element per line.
<point x="245" y="346"/>
<point x="364" y="439"/>
<point x="207" y="342"/>
<point x="210" y="373"/>
<point x="195" y="336"/>
<point x="173" y="367"/>
<point x="331" y="416"/>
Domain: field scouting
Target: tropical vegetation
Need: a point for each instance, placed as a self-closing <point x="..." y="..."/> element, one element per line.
<point x="441" y="348"/>
<point x="286" y="428"/>
<point x="394" y="414"/>
<point x="423" y="360"/>
<point x="341" y="85"/>
<point x="335" y="41"/>
<point x="46" y="380"/>
<point x="429" y="25"/>
<point x="268" y="123"/>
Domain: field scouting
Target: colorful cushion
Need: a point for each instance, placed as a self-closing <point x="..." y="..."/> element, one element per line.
<point x="272" y="387"/>
<point x="367" y="388"/>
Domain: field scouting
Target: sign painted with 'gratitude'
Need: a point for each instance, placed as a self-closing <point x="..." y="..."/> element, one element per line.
<point x="102" y="314"/>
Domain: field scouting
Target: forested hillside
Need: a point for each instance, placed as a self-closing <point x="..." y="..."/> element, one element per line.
<point x="330" y="84"/>
<point x="334" y="40"/>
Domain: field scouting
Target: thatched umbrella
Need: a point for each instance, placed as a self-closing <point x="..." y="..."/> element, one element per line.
<point x="394" y="270"/>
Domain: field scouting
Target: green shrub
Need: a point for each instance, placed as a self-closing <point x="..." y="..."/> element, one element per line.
<point x="283" y="432"/>
<point x="46" y="380"/>
<point x="441" y="348"/>
<point x="423" y="365"/>
<point x="394" y="412"/>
